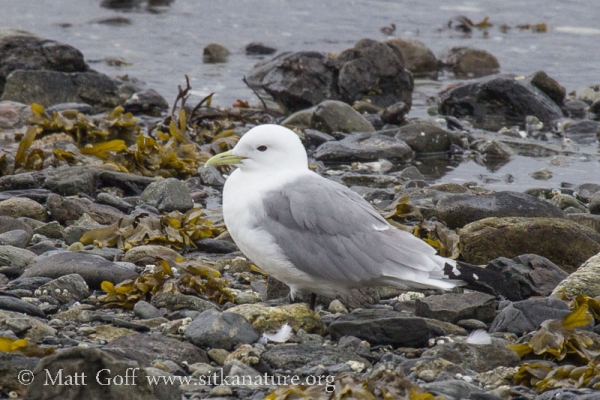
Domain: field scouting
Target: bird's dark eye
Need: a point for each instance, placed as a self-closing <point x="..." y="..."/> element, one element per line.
<point x="261" y="148"/>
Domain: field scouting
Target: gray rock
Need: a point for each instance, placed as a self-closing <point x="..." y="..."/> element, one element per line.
<point x="178" y="301"/>
<point x="258" y="49"/>
<point x="148" y="102"/>
<point x="101" y="370"/>
<point x="295" y="80"/>
<point x="131" y="184"/>
<point x="114" y="201"/>
<point x="67" y="288"/>
<point x="70" y="181"/>
<point x="25" y="326"/>
<point x="477" y="357"/>
<point x="168" y="195"/>
<point x="52" y="230"/>
<point x="466" y="62"/>
<point x="452" y="307"/>
<point x="500" y="151"/>
<point x="144" y="310"/>
<point x="66" y="210"/>
<point x="384" y="327"/>
<point x="526" y="275"/>
<point x="146" y="348"/>
<point x="15" y="257"/>
<point x="108" y="253"/>
<point x="215" y="53"/>
<point x="417" y="57"/>
<point x="336" y="116"/>
<point x="307" y="355"/>
<point x="93" y="269"/>
<point x="76" y="230"/>
<point x="20" y="306"/>
<point x="527" y="315"/>
<point x="28" y="283"/>
<point x="594" y="205"/>
<point x="8" y="224"/>
<point x="454" y="389"/>
<point x="577" y="109"/>
<point x="583" y="132"/>
<point x="17" y="238"/>
<point x="427" y="137"/>
<point x="49" y="87"/>
<point x="586" y="280"/>
<point x="457" y="211"/>
<point x="374" y="71"/>
<point x="364" y="147"/>
<point x="13" y="115"/>
<point x="493" y="103"/>
<point x="217" y="329"/>
<point x="215" y="246"/>
<point x="565" y="243"/>
<point x="23" y="207"/>
<point x="395" y="114"/>
<point x="11" y="365"/>
<point x="27" y="52"/>
<point x="569" y="394"/>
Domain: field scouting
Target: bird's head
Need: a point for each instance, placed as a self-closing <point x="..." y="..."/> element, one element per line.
<point x="265" y="147"/>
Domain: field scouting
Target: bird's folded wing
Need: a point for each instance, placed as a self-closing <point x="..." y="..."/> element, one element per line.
<point x="328" y="231"/>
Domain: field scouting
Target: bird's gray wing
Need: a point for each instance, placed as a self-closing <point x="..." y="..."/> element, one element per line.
<point x="328" y="231"/>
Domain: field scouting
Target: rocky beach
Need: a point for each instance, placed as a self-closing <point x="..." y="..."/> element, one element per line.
<point x="118" y="278"/>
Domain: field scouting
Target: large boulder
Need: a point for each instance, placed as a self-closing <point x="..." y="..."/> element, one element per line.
<point x="564" y="242"/>
<point x="497" y="102"/>
<point x="364" y="147"/>
<point x="417" y="57"/>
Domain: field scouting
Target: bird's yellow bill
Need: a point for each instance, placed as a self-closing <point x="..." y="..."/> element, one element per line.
<point x="225" y="158"/>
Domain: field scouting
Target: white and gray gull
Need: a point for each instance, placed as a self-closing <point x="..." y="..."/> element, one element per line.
<point x="311" y="233"/>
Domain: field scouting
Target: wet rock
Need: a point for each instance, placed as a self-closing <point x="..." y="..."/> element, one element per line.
<point x="49" y="87"/>
<point x="70" y="181"/>
<point x="417" y="57"/>
<point x="527" y="315"/>
<point x="15" y="257"/>
<point x="466" y="62"/>
<point x="477" y="357"/>
<point x="568" y="394"/>
<point x="548" y="85"/>
<point x="271" y="319"/>
<point x="13" y="115"/>
<point x="585" y="280"/>
<point x="259" y="49"/>
<point x="222" y="330"/>
<point x="526" y="275"/>
<point x="114" y="201"/>
<point x="372" y="70"/>
<point x="427" y="137"/>
<point x="215" y="53"/>
<point x="542" y="175"/>
<point x="384" y="327"/>
<point x="215" y="246"/>
<point x="20" y="306"/>
<point x="576" y="109"/>
<point x="93" y="269"/>
<point x="139" y="254"/>
<point x="592" y="221"/>
<point x="29" y="284"/>
<point x="583" y="132"/>
<point x="84" y="224"/>
<point x="457" y="211"/>
<point x="364" y="147"/>
<point x="565" y="201"/>
<point x="295" y="80"/>
<point x="24" y="326"/>
<point x="145" y="348"/>
<point x="131" y="184"/>
<point x="493" y="149"/>
<point x="308" y="355"/>
<point x="101" y="370"/>
<point x="17" y="238"/>
<point x="594" y="205"/>
<point x="67" y="288"/>
<point x="23" y="207"/>
<point x="11" y="365"/>
<point x="178" y="301"/>
<point x="586" y="190"/>
<point x="456" y="389"/>
<point x="144" y="310"/>
<point x="564" y="242"/>
<point x="66" y="210"/>
<point x="493" y="103"/>
<point x="336" y="116"/>
<point x="453" y="307"/>
<point x="148" y="102"/>
<point x="395" y="114"/>
<point x="168" y="195"/>
<point x="52" y="230"/>
<point x="27" y="52"/>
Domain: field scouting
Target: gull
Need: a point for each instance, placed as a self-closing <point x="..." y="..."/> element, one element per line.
<point x="311" y="233"/>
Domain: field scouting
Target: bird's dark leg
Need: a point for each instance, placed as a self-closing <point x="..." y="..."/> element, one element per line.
<point x="313" y="301"/>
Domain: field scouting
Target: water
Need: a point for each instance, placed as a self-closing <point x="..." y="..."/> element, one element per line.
<point x="164" y="43"/>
